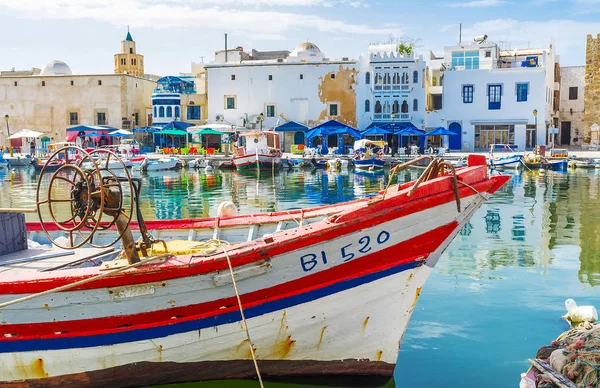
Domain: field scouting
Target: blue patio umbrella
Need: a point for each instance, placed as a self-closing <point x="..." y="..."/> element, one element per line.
<point x="440" y="131"/>
<point x="411" y="131"/>
<point x="376" y="131"/>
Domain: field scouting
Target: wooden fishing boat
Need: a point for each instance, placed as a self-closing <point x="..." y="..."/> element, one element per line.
<point x="369" y="163"/>
<point x="313" y="293"/>
<point x="513" y="161"/>
<point x="260" y="151"/>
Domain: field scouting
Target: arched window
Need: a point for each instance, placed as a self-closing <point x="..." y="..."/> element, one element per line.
<point x="367" y="78"/>
<point x="386" y="79"/>
<point x="386" y="107"/>
<point x="169" y="111"/>
<point x="396" y="79"/>
<point x="377" y="107"/>
<point x="415" y="77"/>
<point x="405" y="78"/>
<point x="367" y="106"/>
<point x="155" y="115"/>
<point x="378" y="78"/>
<point x="177" y="114"/>
<point x="404" y="108"/>
<point x="396" y="107"/>
<point x="415" y="105"/>
<point x="161" y="111"/>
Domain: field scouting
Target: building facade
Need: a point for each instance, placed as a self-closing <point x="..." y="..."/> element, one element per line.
<point x="55" y="99"/>
<point x="128" y="61"/>
<point x="493" y="96"/>
<point x="572" y="112"/>
<point x="391" y="88"/>
<point x="267" y="89"/>
<point x="181" y="97"/>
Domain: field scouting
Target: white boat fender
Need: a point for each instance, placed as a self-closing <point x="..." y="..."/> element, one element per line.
<point x="208" y="168"/>
<point x="577" y="314"/>
<point x="572" y="164"/>
<point x="542" y="171"/>
<point x="227" y="209"/>
<point x="526" y="382"/>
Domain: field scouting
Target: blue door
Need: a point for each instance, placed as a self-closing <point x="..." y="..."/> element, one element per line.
<point x="456" y="140"/>
<point x="494" y="97"/>
<point x="299" y="138"/>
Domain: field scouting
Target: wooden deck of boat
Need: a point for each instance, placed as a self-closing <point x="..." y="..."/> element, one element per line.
<point x="43" y="259"/>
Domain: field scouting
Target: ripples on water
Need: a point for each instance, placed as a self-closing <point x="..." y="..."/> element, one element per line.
<point x="495" y="297"/>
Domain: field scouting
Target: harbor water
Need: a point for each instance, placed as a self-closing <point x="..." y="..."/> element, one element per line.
<point x="495" y="297"/>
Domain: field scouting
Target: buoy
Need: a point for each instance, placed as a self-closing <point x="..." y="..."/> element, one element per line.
<point x="572" y="164"/>
<point x="577" y="314"/>
<point x="227" y="209"/>
<point x="208" y="169"/>
<point x="542" y="171"/>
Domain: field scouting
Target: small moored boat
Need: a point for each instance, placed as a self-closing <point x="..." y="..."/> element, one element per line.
<point x="513" y="161"/>
<point x="260" y="151"/>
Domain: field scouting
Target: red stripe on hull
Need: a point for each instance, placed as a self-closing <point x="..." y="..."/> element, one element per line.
<point x="347" y="222"/>
<point x="407" y="251"/>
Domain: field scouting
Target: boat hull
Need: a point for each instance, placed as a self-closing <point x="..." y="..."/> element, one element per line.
<point x="551" y="165"/>
<point x="366" y="164"/>
<point x="507" y="162"/>
<point x="161" y="164"/>
<point x="257" y="162"/>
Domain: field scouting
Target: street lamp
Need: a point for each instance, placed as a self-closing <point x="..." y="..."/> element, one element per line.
<point x="8" y="130"/>
<point x="261" y="117"/>
<point x="534" y="132"/>
<point x="133" y="121"/>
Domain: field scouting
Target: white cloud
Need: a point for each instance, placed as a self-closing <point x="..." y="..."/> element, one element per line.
<point x="478" y="4"/>
<point x="207" y="14"/>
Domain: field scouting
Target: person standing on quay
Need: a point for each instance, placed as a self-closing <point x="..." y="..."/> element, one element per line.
<point x="32" y="148"/>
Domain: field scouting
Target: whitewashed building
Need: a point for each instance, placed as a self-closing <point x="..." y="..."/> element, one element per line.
<point x="572" y="85"/>
<point x="493" y="96"/>
<point x="391" y="88"/>
<point x="302" y="86"/>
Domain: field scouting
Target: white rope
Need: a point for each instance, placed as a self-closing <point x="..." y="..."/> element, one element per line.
<point x="239" y="300"/>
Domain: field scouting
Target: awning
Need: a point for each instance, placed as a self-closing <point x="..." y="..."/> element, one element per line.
<point x="91" y="128"/>
<point x="25" y="133"/>
<point x="146" y="129"/>
<point x="207" y="131"/>
<point x="182" y="125"/>
<point x="291" y="126"/>
<point x="393" y="126"/>
<point x="120" y="133"/>
<point x="175" y="132"/>
<point x="223" y="128"/>
<point x="411" y="132"/>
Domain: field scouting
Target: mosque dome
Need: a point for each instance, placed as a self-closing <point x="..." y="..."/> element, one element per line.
<point x="307" y="49"/>
<point x="56" y="68"/>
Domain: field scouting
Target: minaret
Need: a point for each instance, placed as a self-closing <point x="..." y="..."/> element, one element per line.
<point x="128" y="61"/>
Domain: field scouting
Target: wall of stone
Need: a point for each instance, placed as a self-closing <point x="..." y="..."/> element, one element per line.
<point x="592" y="85"/>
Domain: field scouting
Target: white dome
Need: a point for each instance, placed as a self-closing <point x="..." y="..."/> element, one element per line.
<point x="56" y="68"/>
<point x="307" y="49"/>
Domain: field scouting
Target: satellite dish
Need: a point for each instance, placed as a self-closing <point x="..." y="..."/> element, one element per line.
<point x="480" y="38"/>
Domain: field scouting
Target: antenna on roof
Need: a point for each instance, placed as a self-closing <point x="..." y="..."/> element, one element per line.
<point x="459" y="33"/>
<point x="128" y="28"/>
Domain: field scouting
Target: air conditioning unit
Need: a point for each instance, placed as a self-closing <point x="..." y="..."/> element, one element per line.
<point x="219" y="117"/>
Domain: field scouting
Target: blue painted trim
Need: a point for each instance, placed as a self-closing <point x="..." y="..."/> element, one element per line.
<point x="183" y="327"/>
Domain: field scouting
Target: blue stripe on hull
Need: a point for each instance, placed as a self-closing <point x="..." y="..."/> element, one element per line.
<point x="183" y="327"/>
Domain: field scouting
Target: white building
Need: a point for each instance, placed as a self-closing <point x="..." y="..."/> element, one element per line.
<point x="391" y="88"/>
<point x="302" y="86"/>
<point x="572" y="85"/>
<point x="493" y="96"/>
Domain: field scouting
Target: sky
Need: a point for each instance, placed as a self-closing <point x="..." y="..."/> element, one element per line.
<point x="173" y="33"/>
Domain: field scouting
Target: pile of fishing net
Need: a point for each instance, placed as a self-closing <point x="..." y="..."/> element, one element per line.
<point x="576" y="355"/>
